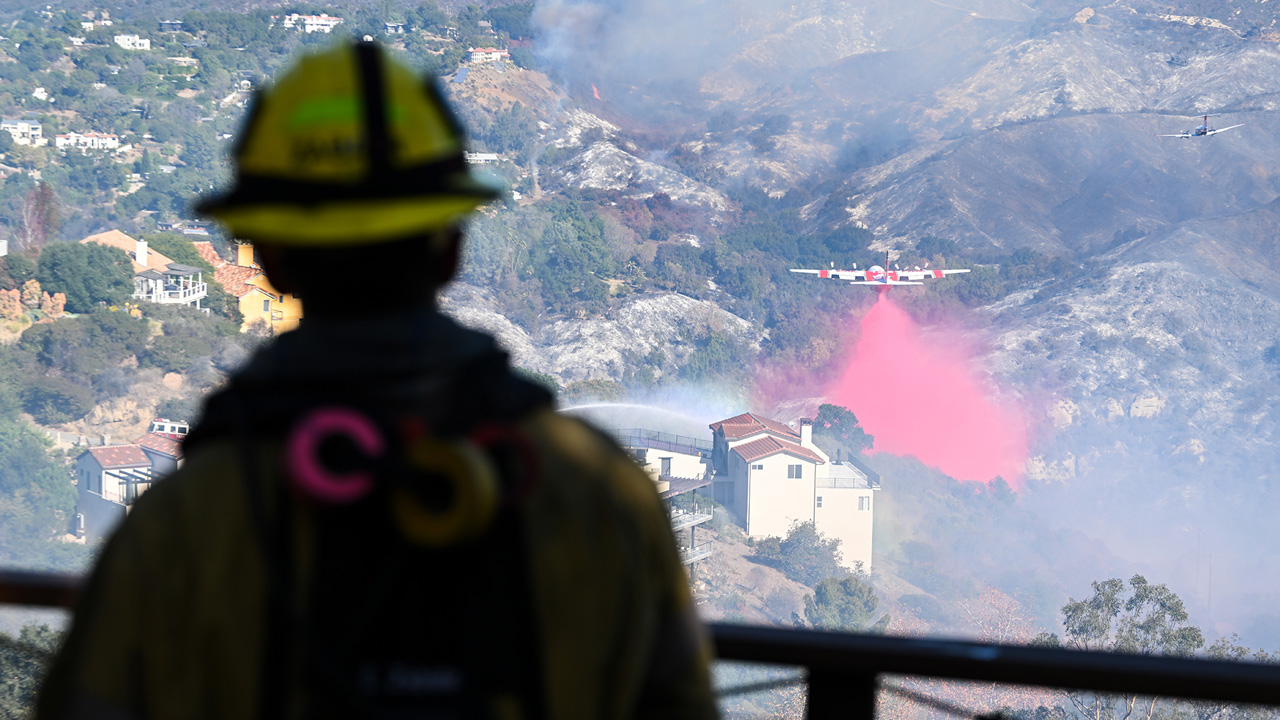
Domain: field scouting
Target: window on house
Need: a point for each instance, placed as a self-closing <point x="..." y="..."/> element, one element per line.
<point x="758" y="467"/>
<point x="795" y="471"/>
<point x="819" y="501"/>
<point x="266" y="306"/>
<point x="864" y="503"/>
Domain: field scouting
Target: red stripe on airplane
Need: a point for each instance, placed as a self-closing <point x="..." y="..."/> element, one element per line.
<point x="824" y="274"/>
<point x="937" y="273"/>
<point x="893" y="276"/>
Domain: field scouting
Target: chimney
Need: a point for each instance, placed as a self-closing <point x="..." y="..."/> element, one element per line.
<point x="806" y="432"/>
<point x="244" y="255"/>
<point x="141" y="253"/>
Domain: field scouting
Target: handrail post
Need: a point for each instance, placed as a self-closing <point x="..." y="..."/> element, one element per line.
<point x="847" y="696"/>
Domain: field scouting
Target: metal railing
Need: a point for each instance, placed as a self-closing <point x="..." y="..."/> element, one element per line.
<point x="844" y="669"/>
<point x="693" y="554"/>
<point x="681" y="519"/>
<point x="639" y="437"/>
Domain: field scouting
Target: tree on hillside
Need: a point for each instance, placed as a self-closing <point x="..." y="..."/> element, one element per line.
<point x="804" y="555"/>
<point x="1143" y="619"/>
<point x="837" y="427"/>
<point x="844" y="603"/>
<point x="40" y="218"/>
<point x="87" y="273"/>
<point x="23" y="662"/>
<point x="39" y="498"/>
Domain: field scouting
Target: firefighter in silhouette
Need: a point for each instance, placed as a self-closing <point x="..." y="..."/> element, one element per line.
<point x="376" y="518"/>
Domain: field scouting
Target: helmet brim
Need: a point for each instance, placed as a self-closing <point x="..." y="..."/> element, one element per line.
<point x="357" y="221"/>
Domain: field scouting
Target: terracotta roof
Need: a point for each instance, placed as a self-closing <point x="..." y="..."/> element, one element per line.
<point x="211" y="256"/>
<point x="112" y="457"/>
<point x="235" y="279"/>
<point x="769" y="445"/>
<point x="748" y="424"/>
<point x="117" y="239"/>
<point x="161" y="445"/>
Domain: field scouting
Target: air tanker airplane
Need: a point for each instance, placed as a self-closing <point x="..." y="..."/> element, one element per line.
<point x="1202" y="131"/>
<point x="879" y="277"/>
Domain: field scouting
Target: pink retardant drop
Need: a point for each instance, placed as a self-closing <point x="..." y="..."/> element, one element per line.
<point x="925" y="399"/>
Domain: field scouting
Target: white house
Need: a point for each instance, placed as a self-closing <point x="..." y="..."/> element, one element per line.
<point x="487" y="55"/>
<point x="132" y="42"/>
<point x="41" y="94"/>
<point x="87" y="141"/>
<point x="309" y="23"/>
<point x="771" y="476"/>
<point x="478" y="158"/>
<point x="25" y="132"/>
<point x="156" y="278"/>
<point x="109" y="478"/>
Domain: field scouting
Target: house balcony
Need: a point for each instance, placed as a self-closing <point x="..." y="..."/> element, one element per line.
<point x="182" y="294"/>
<point x="692" y="554"/>
<point x="681" y="518"/>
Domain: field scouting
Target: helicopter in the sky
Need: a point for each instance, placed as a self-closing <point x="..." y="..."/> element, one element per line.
<point x="1203" y="131"/>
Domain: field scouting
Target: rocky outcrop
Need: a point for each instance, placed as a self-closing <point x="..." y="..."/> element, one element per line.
<point x="604" y="166"/>
<point x="603" y="348"/>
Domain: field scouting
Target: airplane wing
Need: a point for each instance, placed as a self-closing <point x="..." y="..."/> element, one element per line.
<point x="922" y="274"/>
<point x="834" y="274"/>
<point x="1232" y="127"/>
<point x="884" y="282"/>
<point x="1178" y="135"/>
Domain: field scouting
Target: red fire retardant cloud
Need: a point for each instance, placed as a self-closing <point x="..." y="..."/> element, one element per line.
<point x="925" y="399"/>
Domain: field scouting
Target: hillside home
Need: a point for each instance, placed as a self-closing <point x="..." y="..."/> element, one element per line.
<point x="170" y="26"/>
<point x="479" y="158"/>
<point x="164" y="453"/>
<point x="771" y="476"/>
<point x="109" y="479"/>
<point x="87" y="141"/>
<point x="25" y="132"/>
<point x="244" y="279"/>
<point x="487" y="55"/>
<point x="395" y="28"/>
<point x="679" y="466"/>
<point x="309" y="23"/>
<point x="156" y="278"/>
<point x="132" y="42"/>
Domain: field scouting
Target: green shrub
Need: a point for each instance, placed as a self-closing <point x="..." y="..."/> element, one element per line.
<point x="51" y="399"/>
<point x="804" y="555"/>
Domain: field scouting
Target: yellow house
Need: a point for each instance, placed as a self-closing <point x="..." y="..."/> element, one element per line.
<point x="244" y="279"/>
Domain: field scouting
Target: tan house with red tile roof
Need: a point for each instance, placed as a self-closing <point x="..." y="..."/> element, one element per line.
<point x="770" y="476"/>
<point x="259" y="301"/>
<point x="110" y="478"/>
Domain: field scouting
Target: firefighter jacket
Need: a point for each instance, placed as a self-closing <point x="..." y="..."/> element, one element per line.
<point x="229" y="592"/>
